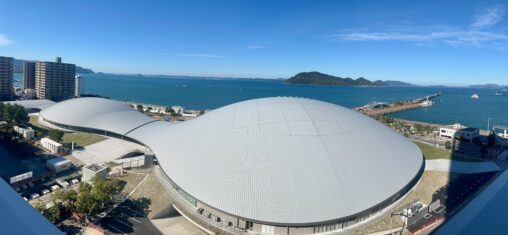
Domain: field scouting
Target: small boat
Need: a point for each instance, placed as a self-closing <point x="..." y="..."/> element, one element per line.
<point x="427" y="103"/>
<point x="475" y="96"/>
<point x="499" y="93"/>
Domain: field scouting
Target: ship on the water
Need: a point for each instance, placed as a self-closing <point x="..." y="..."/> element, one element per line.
<point x="427" y="103"/>
<point x="475" y="96"/>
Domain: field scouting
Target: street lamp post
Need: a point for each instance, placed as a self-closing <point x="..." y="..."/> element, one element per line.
<point x="488" y="123"/>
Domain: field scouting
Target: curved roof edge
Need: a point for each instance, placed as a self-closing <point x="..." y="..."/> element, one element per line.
<point x="96" y="113"/>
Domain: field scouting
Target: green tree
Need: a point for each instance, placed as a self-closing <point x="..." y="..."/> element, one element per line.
<point x="103" y="190"/>
<point x="14" y="114"/>
<point x="139" y="108"/>
<point x="91" y="200"/>
<point x="52" y="213"/>
<point x="201" y="112"/>
<point x="56" y="135"/>
<point x="86" y="203"/>
<point x="448" y="144"/>
<point x="67" y="197"/>
<point x="170" y="110"/>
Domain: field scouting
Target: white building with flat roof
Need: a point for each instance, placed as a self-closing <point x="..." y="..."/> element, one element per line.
<point x="51" y="145"/>
<point x="58" y="164"/>
<point x="27" y="133"/>
<point x="501" y="133"/>
<point x="459" y="131"/>
<point x="93" y="171"/>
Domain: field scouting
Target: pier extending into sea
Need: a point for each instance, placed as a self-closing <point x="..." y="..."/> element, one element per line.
<point x="378" y="109"/>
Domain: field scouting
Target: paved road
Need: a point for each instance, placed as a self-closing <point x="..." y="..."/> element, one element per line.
<point x="128" y="218"/>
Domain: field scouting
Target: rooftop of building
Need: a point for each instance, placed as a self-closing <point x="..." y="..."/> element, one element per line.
<point x="95" y="167"/>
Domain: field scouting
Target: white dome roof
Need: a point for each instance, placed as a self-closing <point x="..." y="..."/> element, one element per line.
<point x="95" y="113"/>
<point x="284" y="160"/>
<point x="273" y="160"/>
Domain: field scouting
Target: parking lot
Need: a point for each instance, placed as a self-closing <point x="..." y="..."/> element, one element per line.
<point x="128" y="218"/>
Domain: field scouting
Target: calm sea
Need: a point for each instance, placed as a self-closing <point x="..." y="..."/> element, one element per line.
<point x="455" y="104"/>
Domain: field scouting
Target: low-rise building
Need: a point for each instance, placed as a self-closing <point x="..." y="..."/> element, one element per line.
<point x="58" y="164"/>
<point x="450" y="130"/>
<point x="27" y="133"/>
<point x="459" y="131"/>
<point x="501" y="133"/>
<point x="468" y="134"/>
<point x="29" y="93"/>
<point x="189" y="113"/>
<point x="94" y="170"/>
<point x="51" y="145"/>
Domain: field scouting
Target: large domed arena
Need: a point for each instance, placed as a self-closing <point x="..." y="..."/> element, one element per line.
<point x="279" y="165"/>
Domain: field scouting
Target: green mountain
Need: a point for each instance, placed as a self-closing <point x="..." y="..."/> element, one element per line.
<point x="397" y="83"/>
<point x="317" y="78"/>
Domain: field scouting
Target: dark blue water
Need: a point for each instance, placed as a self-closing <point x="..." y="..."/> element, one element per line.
<point x="455" y="104"/>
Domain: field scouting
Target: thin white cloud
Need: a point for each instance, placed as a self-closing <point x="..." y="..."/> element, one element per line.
<point x="4" y="40"/>
<point x="477" y="35"/>
<point x="197" y="55"/>
<point x="252" y="47"/>
<point x="488" y="17"/>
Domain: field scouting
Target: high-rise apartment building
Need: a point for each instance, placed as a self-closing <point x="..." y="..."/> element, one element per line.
<point x="29" y="75"/>
<point x="6" y="76"/>
<point x="55" y="80"/>
<point x="80" y="86"/>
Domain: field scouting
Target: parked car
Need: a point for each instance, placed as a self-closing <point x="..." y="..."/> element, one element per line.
<point x="54" y="188"/>
<point x="34" y="195"/>
<point x="45" y="191"/>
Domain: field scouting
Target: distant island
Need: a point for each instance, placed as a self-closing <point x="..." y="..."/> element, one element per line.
<point x="321" y="79"/>
<point x="488" y="86"/>
<point x="18" y="67"/>
<point x="397" y="83"/>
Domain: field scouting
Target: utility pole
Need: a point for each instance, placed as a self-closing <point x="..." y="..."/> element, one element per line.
<point x="488" y="123"/>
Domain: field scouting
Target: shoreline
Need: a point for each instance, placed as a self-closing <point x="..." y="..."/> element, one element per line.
<point x="162" y="108"/>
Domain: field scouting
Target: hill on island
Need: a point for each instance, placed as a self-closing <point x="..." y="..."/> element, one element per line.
<point x="18" y="67"/>
<point x="317" y="78"/>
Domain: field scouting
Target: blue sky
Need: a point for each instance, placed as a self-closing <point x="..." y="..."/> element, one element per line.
<point x="424" y="42"/>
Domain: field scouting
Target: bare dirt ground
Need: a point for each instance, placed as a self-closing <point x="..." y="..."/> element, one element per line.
<point x="430" y="182"/>
<point x="151" y="189"/>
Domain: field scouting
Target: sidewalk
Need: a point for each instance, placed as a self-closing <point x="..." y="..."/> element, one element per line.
<point x="459" y="166"/>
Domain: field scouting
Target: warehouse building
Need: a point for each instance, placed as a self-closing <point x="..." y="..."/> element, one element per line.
<point x="51" y="145"/>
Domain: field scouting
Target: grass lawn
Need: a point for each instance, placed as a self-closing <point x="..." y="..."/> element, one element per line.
<point x="82" y="139"/>
<point x="40" y="130"/>
<point x="433" y="153"/>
